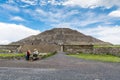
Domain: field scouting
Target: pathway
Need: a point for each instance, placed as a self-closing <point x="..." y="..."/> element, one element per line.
<point x="59" y="67"/>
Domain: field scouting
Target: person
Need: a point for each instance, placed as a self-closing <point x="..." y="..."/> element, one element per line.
<point x="35" y="54"/>
<point x="28" y="55"/>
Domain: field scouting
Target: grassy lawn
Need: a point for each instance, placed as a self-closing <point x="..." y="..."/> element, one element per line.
<point x="105" y="58"/>
<point x="11" y="55"/>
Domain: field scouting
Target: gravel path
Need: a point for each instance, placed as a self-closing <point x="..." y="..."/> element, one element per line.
<point x="58" y="67"/>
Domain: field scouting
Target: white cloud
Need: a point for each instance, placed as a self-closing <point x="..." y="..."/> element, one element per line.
<point x="13" y="32"/>
<point x="108" y="34"/>
<point x="53" y="16"/>
<point x="42" y="3"/>
<point x="86" y="19"/>
<point x="10" y="8"/>
<point x="36" y="2"/>
<point x="92" y="3"/>
<point x="41" y="12"/>
<point x="4" y="41"/>
<point x="31" y="2"/>
<point x="52" y="1"/>
<point x="10" y="1"/>
<point x="82" y="3"/>
<point x="61" y="25"/>
<point x="55" y="2"/>
<point x="115" y="13"/>
<point x="17" y="18"/>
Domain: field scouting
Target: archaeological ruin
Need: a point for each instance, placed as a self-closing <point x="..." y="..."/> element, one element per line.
<point x="66" y="40"/>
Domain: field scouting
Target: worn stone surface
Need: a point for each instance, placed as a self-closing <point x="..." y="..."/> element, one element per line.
<point x="107" y="50"/>
<point x="78" y="48"/>
<point x="12" y="48"/>
<point x="59" y="36"/>
<point x="94" y="50"/>
<point x="50" y="41"/>
<point x="41" y="48"/>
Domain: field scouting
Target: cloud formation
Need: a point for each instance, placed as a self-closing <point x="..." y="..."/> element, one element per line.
<point x="105" y="33"/>
<point x="115" y="13"/>
<point x="10" y="7"/>
<point x="31" y="2"/>
<point x="17" y="18"/>
<point x="81" y="3"/>
<point x="75" y="14"/>
<point x="92" y="3"/>
<point x="13" y="32"/>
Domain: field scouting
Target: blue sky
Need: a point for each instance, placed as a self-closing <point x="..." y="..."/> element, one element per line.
<point x="22" y="18"/>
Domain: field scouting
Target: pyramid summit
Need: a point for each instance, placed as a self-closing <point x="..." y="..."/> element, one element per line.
<point x="64" y="36"/>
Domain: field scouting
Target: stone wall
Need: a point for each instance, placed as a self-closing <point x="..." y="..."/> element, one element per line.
<point x="66" y="48"/>
<point x="11" y="48"/>
<point x="41" y="48"/>
<point x="90" y="49"/>
<point x="107" y="50"/>
<point x="78" y="48"/>
<point x="52" y="48"/>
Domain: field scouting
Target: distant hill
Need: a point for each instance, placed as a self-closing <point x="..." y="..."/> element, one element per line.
<point x="59" y="36"/>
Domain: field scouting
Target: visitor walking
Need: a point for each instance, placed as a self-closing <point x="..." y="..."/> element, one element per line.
<point x="28" y="54"/>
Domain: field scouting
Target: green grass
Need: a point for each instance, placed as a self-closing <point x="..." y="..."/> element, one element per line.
<point x="21" y="55"/>
<point x="105" y="58"/>
<point x="4" y="51"/>
<point x="107" y="46"/>
<point x="11" y="55"/>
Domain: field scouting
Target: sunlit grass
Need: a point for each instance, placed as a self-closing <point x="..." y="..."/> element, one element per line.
<point x="106" y="58"/>
<point x="107" y="46"/>
<point x="11" y="55"/>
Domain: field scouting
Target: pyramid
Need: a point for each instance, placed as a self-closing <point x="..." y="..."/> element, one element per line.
<point x="52" y="40"/>
<point x="59" y="36"/>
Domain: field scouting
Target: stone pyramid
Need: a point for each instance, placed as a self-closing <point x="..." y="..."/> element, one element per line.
<point x="60" y="36"/>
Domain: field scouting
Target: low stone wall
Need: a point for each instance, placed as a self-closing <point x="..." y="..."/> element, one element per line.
<point x="107" y="50"/>
<point x="78" y="48"/>
<point x="41" y="48"/>
<point x="9" y="48"/>
<point x="92" y="50"/>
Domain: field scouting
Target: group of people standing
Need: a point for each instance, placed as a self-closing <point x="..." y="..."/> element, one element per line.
<point x="33" y="55"/>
